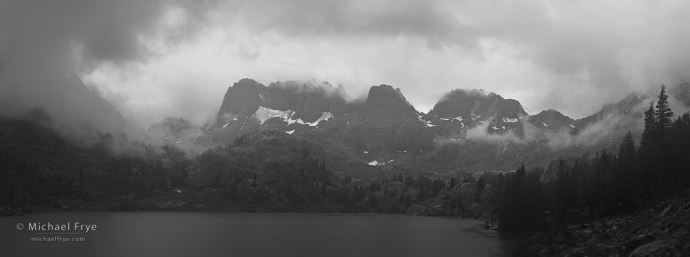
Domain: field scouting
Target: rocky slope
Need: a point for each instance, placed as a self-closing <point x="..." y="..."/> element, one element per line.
<point x="661" y="229"/>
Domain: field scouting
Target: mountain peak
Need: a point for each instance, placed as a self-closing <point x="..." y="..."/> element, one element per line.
<point x="385" y="102"/>
<point x="476" y="103"/>
<point x="551" y="119"/>
<point x="624" y="106"/>
<point x="242" y="99"/>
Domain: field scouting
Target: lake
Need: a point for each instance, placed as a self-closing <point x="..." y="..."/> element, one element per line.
<point x="248" y="234"/>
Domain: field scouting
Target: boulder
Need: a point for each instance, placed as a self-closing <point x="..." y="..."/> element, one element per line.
<point x="648" y="250"/>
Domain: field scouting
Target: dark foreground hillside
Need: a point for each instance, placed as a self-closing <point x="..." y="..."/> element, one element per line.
<point x="661" y="229"/>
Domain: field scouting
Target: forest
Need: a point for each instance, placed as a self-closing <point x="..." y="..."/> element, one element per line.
<point x="605" y="183"/>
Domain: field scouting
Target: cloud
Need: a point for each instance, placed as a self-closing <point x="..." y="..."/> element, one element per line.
<point x="44" y="46"/>
<point x="611" y="126"/>
<point x="480" y="132"/>
<point x="160" y="58"/>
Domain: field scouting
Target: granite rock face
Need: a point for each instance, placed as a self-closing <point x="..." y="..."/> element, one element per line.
<point x="385" y="103"/>
<point x="242" y="99"/>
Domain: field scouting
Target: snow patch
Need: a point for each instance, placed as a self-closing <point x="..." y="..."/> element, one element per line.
<point x="544" y="124"/>
<point x="503" y="127"/>
<point x="452" y="119"/>
<point x="494" y="127"/>
<point x="376" y="163"/>
<point x="509" y="120"/>
<point x="324" y="116"/>
<point x="571" y="125"/>
<point x="264" y="114"/>
<point x="426" y="122"/>
<point x="226" y="124"/>
<point x="366" y="152"/>
<point x="290" y="132"/>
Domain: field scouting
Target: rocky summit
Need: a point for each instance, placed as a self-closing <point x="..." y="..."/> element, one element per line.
<point x="466" y="129"/>
<point x="475" y="104"/>
<point x="385" y="103"/>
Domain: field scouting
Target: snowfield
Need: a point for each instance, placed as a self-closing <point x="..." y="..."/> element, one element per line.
<point x="263" y="114"/>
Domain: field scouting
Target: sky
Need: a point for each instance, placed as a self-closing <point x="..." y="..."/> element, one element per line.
<point x="158" y="58"/>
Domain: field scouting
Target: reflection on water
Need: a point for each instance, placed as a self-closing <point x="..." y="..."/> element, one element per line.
<point x="251" y="234"/>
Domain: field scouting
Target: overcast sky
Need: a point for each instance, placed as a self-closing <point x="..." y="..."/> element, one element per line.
<point x="160" y="58"/>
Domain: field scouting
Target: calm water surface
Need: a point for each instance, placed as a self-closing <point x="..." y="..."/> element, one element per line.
<point x="252" y="234"/>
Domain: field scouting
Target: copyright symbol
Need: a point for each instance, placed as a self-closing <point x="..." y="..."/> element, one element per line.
<point x="20" y="226"/>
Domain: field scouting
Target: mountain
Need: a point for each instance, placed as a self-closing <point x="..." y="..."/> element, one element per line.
<point x="385" y="103"/>
<point x="249" y="105"/>
<point x="615" y="119"/>
<point x="242" y="99"/>
<point x="475" y="104"/>
<point x="466" y="129"/>
<point x="630" y="105"/>
<point x="551" y="119"/>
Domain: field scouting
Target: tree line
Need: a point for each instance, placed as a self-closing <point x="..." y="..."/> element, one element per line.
<point x="606" y="183"/>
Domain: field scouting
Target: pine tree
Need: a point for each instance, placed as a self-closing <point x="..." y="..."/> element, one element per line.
<point x="663" y="112"/>
<point x="662" y="153"/>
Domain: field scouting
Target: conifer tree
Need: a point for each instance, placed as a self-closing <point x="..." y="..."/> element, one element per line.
<point x="663" y="112"/>
<point x="662" y="153"/>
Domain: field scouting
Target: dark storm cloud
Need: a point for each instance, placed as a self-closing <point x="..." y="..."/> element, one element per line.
<point x="430" y="20"/>
<point x="601" y="49"/>
<point x="105" y="30"/>
<point x="573" y="56"/>
<point x="44" y="44"/>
